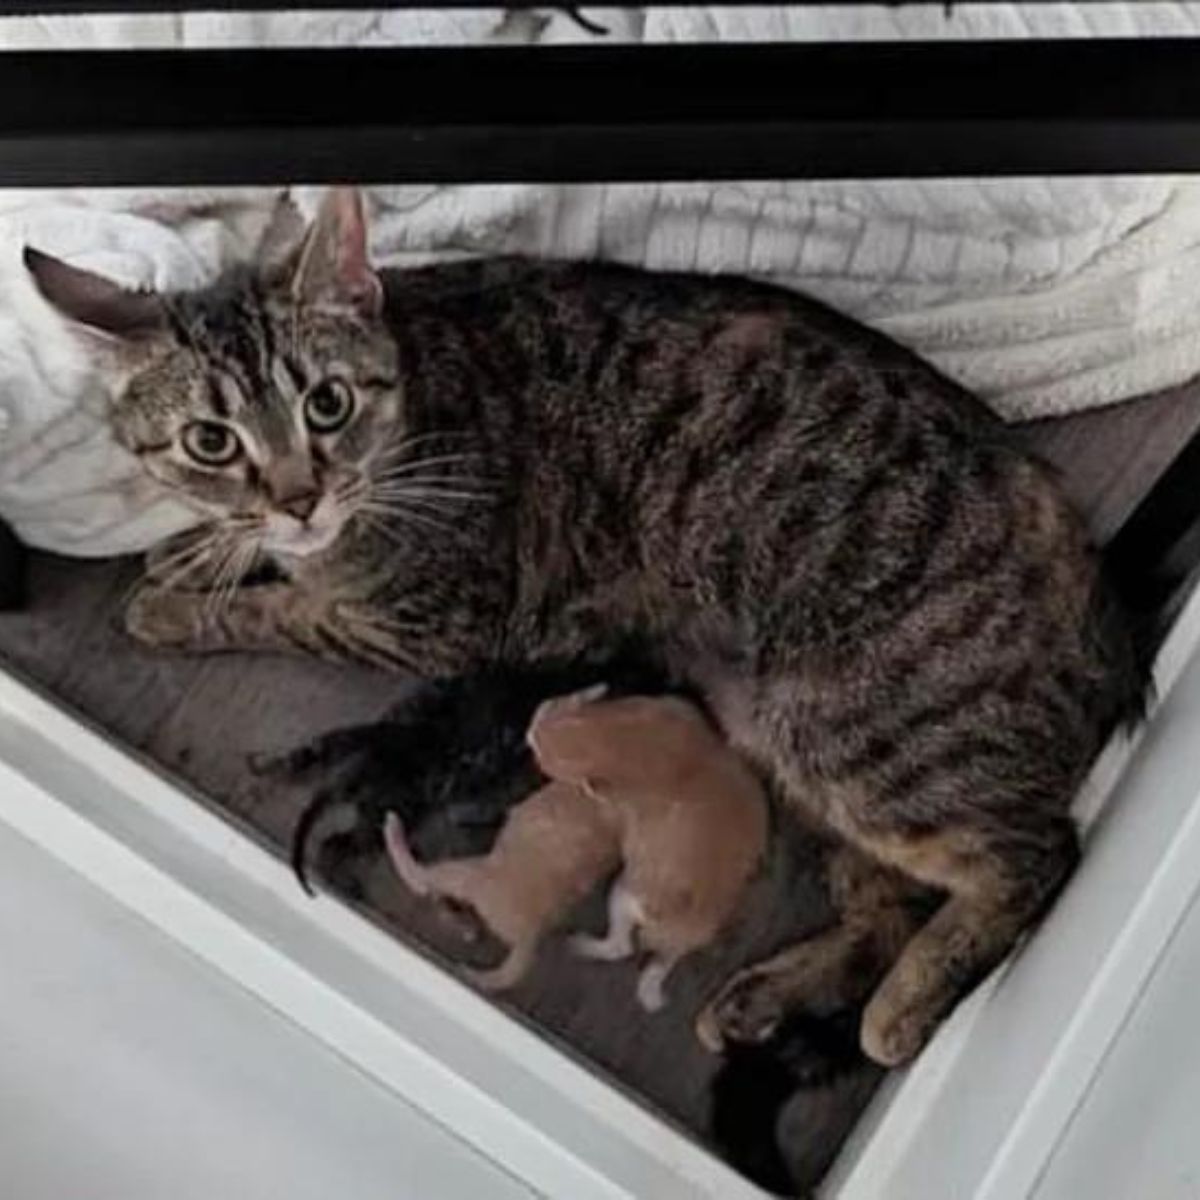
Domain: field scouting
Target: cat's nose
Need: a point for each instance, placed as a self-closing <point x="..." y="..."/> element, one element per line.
<point x="301" y="505"/>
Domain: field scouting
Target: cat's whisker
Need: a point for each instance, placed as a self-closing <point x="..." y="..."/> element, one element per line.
<point x="417" y="464"/>
<point x="401" y="490"/>
<point x="237" y="562"/>
<point x="190" y="550"/>
<point x="212" y="604"/>
<point x="458" y="479"/>
<point x="447" y="499"/>
<point x="417" y="439"/>
<point x="404" y="512"/>
<point x="408" y="445"/>
<point x="445" y="478"/>
<point x="197" y="545"/>
<point x="247" y="558"/>
<point x="380" y="527"/>
<point x="430" y="510"/>
<point x="431" y="474"/>
<point x="191" y="558"/>
<point x="407" y="514"/>
<point x="423" y="493"/>
<point x="355" y="490"/>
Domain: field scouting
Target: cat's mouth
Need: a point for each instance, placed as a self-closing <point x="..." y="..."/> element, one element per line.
<point x="285" y="535"/>
<point x="303" y="541"/>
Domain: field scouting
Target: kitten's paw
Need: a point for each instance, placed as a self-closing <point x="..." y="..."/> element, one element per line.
<point x="749" y="1008"/>
<point x="163" y="619"/>
<point x="651" y="994"/>
<point x="596" y="949"/>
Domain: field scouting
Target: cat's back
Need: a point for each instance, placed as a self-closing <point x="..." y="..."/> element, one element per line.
<point x="634" y="301"/>
<point x="651" y="361"/>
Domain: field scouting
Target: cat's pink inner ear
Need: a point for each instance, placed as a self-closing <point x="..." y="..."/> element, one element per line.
<point x="334" y="267"/>
<point x="93" y="301"/>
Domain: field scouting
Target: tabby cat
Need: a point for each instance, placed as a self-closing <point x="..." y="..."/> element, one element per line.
<point x="886" y="604"/>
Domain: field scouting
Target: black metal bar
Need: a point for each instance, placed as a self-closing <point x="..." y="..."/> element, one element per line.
<point x="599" y="113"/>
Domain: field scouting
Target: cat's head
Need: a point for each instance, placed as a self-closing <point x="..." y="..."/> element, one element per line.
<point x="261" y="401"/>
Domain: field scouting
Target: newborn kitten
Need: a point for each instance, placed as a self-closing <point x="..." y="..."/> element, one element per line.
<point x="450" y="760"/>
<point x="553" y="850"/>
<point x="756" y="1080"/>
<point x="690" y="814"/>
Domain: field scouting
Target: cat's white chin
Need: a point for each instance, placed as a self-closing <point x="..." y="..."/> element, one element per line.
<point x="300" y="541"/>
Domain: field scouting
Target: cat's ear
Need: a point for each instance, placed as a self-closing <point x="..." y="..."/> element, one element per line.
<point x="105" y="310"/>
<point x="333" y="269"/>
<point x="282" y="239"/>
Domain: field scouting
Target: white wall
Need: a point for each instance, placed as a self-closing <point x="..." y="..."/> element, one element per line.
<point x="130" y="1070"/>
<point x="1136" y="1136"/>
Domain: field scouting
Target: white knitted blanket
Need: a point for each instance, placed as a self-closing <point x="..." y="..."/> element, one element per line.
<point x="1044" y="296"/>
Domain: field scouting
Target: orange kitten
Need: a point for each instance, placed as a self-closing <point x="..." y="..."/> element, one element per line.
<point x="555" y="847"/>
<point x="690" y="814"/>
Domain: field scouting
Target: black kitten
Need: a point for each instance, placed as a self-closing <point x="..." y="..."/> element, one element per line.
<point x="756" y="1081"/>
<point x="450" y="760"/>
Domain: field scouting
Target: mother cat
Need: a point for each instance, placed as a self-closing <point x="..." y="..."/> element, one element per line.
<point x="887" y="605"/>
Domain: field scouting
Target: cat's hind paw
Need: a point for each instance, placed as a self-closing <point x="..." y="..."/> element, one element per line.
<point x="748" y="1009"/>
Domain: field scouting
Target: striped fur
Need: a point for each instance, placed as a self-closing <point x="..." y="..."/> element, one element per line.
<point x="886" y="604"/>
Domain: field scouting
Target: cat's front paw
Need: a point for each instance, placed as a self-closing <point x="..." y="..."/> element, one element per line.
<point x="748" y="1009"/>
<point x="163" y="619"/>
<point x="893" y="1032"/>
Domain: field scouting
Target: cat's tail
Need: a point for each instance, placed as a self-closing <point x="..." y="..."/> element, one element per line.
<point x="756" y="1081"/>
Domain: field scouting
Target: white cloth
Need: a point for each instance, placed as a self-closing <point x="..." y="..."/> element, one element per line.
<point x="1044" y="296"/>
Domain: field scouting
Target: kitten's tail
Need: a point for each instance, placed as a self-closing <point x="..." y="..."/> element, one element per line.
<point x="508" y="973"/>
<point x="317" y="808"/>
<point x="755" y="1082"/>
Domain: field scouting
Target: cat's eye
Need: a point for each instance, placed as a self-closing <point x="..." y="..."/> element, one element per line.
<point x="211" y="443"/>
<point x="328" y="406"/>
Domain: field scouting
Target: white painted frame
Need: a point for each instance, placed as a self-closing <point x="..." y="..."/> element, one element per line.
<point x="977" y="1116"/>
